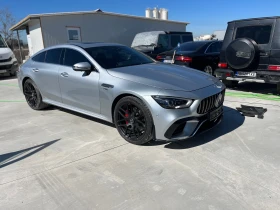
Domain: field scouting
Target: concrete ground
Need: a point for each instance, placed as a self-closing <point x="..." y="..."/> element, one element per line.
<point x="56" y="159"/>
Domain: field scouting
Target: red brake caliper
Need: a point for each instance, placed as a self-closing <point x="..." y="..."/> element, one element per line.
<point x="126" y="116"/>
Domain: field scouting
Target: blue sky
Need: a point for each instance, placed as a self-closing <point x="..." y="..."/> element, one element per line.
<point x="204" y="16"/>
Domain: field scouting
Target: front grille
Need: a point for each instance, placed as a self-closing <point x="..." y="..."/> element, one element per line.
<point x="6" y="60"/>
<point x="4" y="67"/>
<point x="209" y="103"/>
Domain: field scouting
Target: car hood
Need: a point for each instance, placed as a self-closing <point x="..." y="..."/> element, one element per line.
<point x="5" y="53"/>
<point x="165" y="76"/>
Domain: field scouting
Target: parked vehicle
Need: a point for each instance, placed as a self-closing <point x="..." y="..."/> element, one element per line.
<point x="154" y="42"/>
<point x="8" y="61"/>
<point x="201" y="55"/>
<point x="144" y="99"/>
<point x="251" y="52"/>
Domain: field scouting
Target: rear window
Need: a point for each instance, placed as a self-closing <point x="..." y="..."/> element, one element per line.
<point x="175" y="39"/>
<point x="190" y="46"/>
<point x="187" y="38"/>
<point x="260" y="34"/>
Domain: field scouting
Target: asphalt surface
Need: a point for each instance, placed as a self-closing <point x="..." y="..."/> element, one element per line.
<point x="56" y="159"/>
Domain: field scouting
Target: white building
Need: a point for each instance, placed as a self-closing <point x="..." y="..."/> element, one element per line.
<point x="44" y="30"/>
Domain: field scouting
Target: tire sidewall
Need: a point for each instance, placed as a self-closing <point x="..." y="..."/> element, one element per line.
<point x="149" y="120"/>
<point x="40" y="102"/>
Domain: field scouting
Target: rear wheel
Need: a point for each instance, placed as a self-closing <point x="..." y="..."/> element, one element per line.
<point x="33" y="95"/>
<point x="133" y="120"/>
<point x="208" y="69"/>
<point x="230" y="83"/>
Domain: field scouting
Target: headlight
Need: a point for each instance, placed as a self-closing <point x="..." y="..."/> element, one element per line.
<point x="13" y="55"/>
<point x="169" y="102"/>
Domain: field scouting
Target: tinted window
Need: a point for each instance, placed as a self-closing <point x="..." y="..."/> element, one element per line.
<point x="214" y="48"/>
<point x="2" y="43"/>
<point x="187" y="38"/>
<point x="53" y="56"/>
<point x="72" y="57"/>
<point x="175" y="39"/>
<point x="40" y="57"/>
<point x="261" y="34"/>
<point x="110" y="57"/>
<point x="190" y="46"/>
<point x="163" y="41"/>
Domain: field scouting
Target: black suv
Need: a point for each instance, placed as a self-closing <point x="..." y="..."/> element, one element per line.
<point x="251" y="52"/>
<point x="154" y="42"/>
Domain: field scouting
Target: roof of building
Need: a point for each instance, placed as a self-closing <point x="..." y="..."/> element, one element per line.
<point x="22" y="24"/>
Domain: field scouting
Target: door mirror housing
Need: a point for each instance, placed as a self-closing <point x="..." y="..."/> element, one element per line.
<point x="83" y="66"/>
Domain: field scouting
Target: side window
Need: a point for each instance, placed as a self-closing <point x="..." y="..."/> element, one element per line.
<point x="53" y="56"/>
<point x="175" y="39"/>
<point x="214" y="48"/>
<point x="72" y="57"/>
<point x="187" y="38"/>
<point x="40" y="57"/>
<point x="261" y="34"/>
<point x="163" y="41"/>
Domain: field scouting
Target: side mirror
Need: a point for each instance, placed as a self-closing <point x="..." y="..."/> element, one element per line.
<point x="83" y="66"/>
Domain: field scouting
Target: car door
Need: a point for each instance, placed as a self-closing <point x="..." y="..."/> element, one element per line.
<point x="78" y="90"/>
<point x="212" y="54"/>
<point x="45" y="69"/>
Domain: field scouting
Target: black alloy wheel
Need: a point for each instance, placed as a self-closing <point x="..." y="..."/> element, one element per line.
<point x="133" y="120"/>
<point x="33" y="96"/>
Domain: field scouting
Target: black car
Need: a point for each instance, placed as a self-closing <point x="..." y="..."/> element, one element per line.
<point x="154" y="42"/>
<point x="201" y="55"/>
<point x="251" y="52"/>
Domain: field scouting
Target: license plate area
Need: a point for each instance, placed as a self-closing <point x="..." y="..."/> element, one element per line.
<point x="246" y="74"/>
<point x="167" y="61"/>
<point x="215" y="114"/>
<point x="3" y="71"/>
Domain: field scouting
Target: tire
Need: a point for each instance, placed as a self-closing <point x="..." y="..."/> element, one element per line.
<point x="12" y="74"/>
<point x="133" y="120"/>
<point x="230" y="84"/>
<point x="208" y="69"/>
<point x="242" y="53"/>
<point x="33" y="96"/>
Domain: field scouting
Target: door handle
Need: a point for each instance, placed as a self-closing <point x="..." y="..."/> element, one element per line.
<point x="35" y="70"/>
<point x="64" y="74"/>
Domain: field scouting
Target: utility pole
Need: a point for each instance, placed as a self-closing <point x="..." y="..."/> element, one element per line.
<point x="20" y="52"/>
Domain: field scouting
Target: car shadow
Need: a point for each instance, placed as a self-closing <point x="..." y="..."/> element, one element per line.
<point x="13" y="157"/>
<point x="231" y="121"/>
<point x="263" y="88"/>
<point x="87" y="117"/>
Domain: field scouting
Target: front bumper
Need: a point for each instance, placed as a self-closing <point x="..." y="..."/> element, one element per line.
<point x="7" y="69"/>
<point x="178" y="124"/>
<point x="272" y="77"/>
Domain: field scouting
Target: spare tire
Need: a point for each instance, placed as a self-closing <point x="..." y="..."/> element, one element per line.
<point x="242" y="53"/>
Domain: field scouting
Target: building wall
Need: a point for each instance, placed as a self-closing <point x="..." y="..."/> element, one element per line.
<point x="220" y="34"/>
<point x="35" y="36"/>
<point x="101" y="28"/>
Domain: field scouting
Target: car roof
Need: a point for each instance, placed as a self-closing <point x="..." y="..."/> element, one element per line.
<point x="259" y="18"/>
<point x="93" y="44"/>
<point x="204" y="41"/>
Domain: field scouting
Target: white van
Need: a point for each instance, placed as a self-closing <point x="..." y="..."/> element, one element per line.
<point x="8" y="61"/>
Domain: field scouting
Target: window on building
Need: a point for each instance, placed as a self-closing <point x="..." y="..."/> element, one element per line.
<point x="175" y="39"/>
<point x="74" y="34"/>
<point x="53" y="56"/>
<point x="40" y="57"/>
<point x="261" y="34"/>
<point x="72" y="57"/>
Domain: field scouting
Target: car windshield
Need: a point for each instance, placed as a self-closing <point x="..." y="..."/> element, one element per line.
<point x="110" y="57"/>
<point x="2" y="43"/>
<point x="190" y="46"/>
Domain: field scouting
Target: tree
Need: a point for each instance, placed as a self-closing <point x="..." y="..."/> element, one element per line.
<point x="7" y="20"/>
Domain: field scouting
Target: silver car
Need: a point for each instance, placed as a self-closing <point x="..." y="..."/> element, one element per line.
<point x="145" y="99"/>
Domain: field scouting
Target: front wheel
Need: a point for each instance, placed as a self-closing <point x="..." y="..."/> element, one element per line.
<point x="33" y="95"/>
<point x="133" y="120"/>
